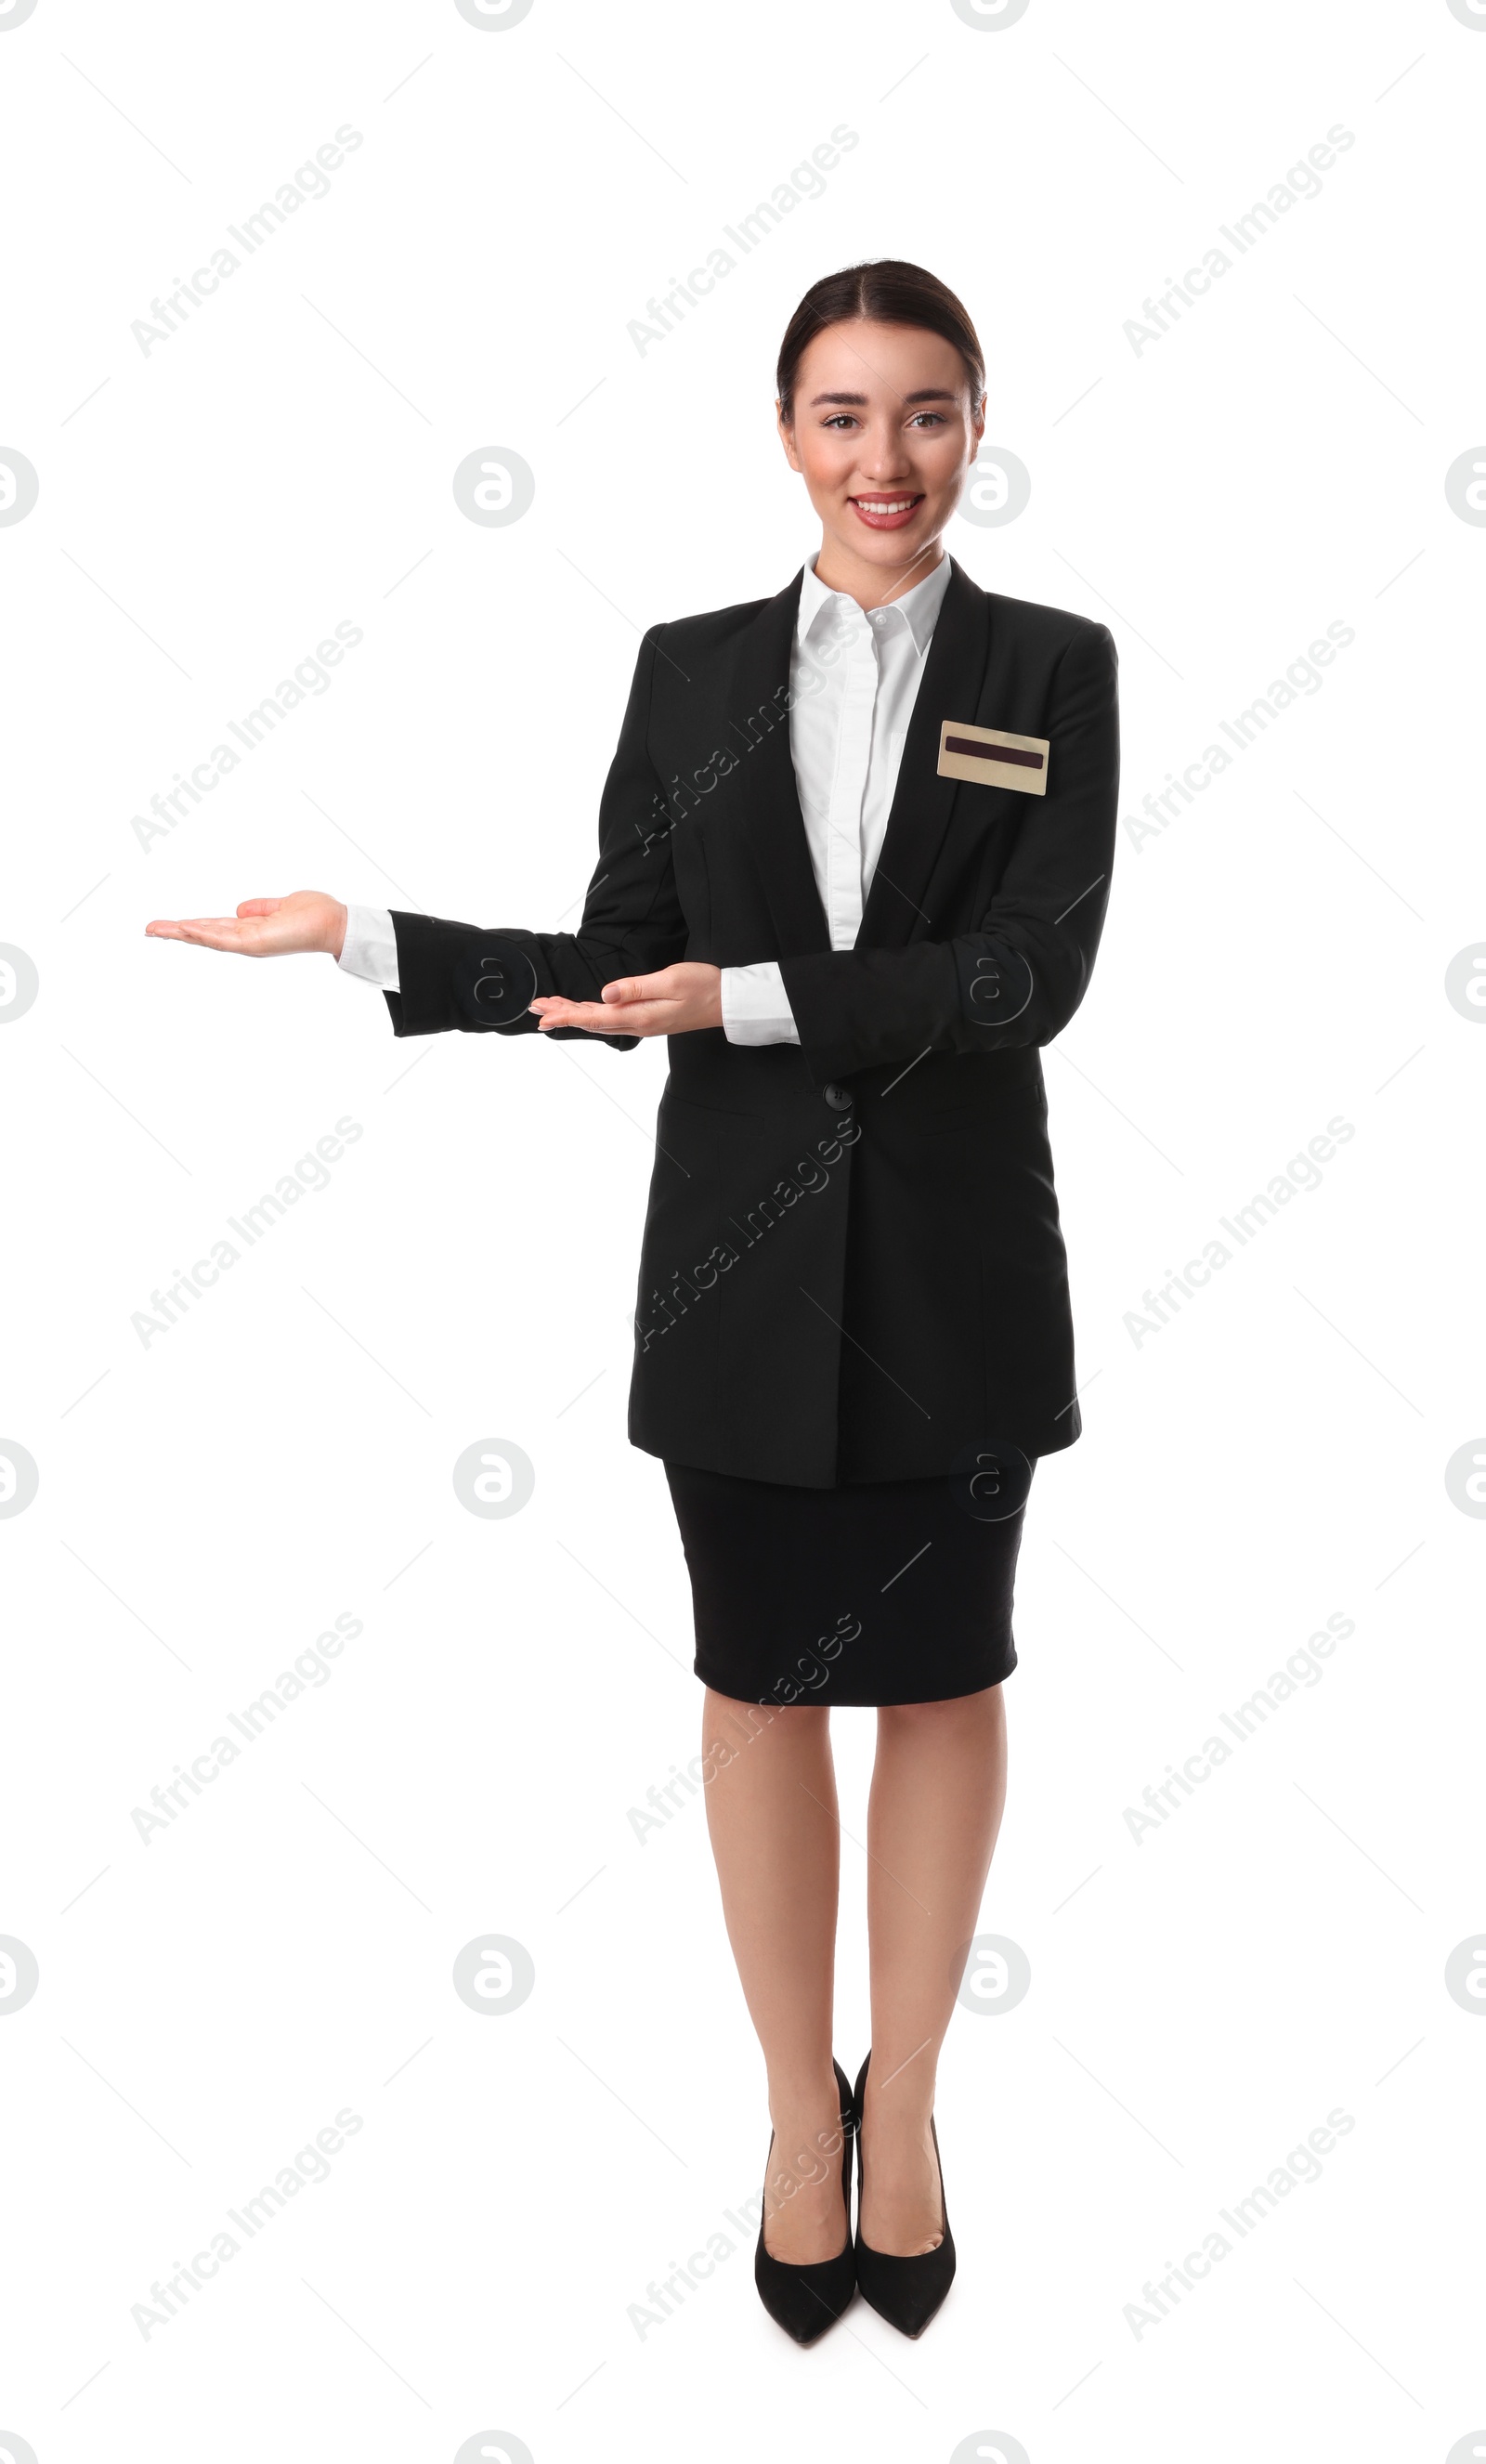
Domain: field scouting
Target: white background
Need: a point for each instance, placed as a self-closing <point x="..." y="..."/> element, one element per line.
<point x="209" y="1503"/>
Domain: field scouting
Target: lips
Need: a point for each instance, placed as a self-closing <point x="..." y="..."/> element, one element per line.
<point x="887" y="512"/>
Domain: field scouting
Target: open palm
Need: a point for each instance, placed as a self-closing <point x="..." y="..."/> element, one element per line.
<point x="264" y="928"/>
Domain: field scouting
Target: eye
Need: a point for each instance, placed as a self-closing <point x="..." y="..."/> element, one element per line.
<point x="837" y="419"/>
<point x="935" y="417"/>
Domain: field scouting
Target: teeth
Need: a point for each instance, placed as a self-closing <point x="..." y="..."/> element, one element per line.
<point x="885" y="505"/>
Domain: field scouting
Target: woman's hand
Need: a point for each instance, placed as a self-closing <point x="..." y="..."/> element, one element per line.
<point x="671" y="1003"/>
<point x="265" y="928"/>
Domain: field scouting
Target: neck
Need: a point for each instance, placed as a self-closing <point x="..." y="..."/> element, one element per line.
<point x="874" y="585"/>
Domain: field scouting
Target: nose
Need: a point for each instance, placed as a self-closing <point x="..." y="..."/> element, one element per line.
<point x="883" y="456"/>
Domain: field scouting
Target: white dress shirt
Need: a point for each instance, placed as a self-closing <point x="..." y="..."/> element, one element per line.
<point x="854" y="677"/>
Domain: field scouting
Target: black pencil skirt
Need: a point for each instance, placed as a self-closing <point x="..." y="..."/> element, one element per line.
<point x="880" y="1591"/>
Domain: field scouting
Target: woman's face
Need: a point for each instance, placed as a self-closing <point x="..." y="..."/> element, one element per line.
<point x="884" y="433"/>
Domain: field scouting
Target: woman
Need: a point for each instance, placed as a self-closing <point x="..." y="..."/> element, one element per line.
<point x="854" y="858"/>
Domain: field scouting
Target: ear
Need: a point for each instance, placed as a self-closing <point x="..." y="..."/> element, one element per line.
<point x="786" y="428"/>
<point x="978" y="418"/>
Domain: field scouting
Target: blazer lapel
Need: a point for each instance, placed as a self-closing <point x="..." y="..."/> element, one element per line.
<point x="758" y="734"/>
<point x="950" y="687"/>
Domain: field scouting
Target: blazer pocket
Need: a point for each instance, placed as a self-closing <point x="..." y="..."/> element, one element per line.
<point x="710" y="1112"/>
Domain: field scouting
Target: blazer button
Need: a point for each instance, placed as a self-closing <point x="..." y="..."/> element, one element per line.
<point x="838" y="1097"/>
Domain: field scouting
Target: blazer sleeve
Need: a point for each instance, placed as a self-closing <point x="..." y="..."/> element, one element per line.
<point x="1021" y="975"/>
<point x="478" y="980"/>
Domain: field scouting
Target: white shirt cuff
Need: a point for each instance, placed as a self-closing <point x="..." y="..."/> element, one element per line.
<point x="369" y="949"/>
<point x="755" y="1008"/>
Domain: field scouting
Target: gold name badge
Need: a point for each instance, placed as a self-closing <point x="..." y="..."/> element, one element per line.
<point x="989" y="757"/>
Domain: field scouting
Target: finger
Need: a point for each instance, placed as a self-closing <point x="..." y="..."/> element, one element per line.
<point x="629" y="988"/>
<point x="636" y="1018"/>
<point x="260" y="907"/>
<point x="213" y="933"/>
<point x="632" y="988"/>
<point x="556" y="1012"/>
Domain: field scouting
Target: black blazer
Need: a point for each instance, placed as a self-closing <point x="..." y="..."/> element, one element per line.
<point x="852" y="1267"/>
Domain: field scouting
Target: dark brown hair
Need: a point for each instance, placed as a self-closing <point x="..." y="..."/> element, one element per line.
<point x="891" y="292"/>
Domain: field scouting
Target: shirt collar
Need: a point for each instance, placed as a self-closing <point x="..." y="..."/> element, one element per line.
<point x="919" y="606"/>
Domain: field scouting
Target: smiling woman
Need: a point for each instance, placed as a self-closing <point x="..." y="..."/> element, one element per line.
<point x="882" y="894"/>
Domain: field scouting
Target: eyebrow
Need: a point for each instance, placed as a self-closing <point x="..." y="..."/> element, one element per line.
<point x="858" y="401"/>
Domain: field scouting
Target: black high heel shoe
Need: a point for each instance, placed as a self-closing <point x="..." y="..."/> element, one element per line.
<point x="805" y="2300"/>
<point x="905" y="2292"/>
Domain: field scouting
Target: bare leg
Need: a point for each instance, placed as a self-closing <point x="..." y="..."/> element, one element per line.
<point x="770" y="1810"/>
<point x="938" y="1789"/>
